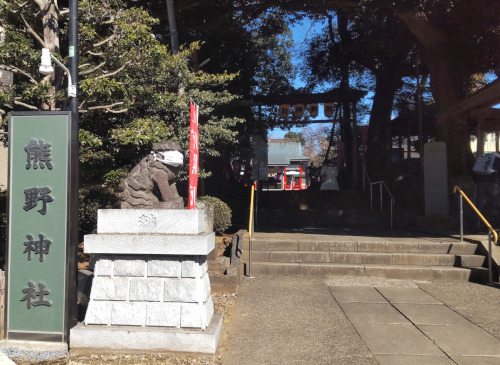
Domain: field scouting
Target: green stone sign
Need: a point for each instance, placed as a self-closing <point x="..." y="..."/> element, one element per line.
<point x="39" y="286"/>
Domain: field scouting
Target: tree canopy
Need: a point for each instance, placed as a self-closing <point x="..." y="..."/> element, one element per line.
<point x="133" y="91"/>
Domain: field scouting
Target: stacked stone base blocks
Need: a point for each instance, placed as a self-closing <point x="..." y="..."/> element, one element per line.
<point x="151" y="289"/>
<point x="165" y="291"/>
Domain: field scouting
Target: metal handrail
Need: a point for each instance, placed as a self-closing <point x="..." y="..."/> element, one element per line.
<point x="366" y="178"/>
<point x="382" y="184"/>
<point x="490" y="228"/>
<point x="462" y="194"/>
<point x="250" y="232"/>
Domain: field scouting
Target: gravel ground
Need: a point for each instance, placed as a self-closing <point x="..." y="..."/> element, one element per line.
<point x="223" y="303"/>
<point x="36" y="357"/>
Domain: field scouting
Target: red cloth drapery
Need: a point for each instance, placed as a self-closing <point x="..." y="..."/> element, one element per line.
<point x="194" y="155"/>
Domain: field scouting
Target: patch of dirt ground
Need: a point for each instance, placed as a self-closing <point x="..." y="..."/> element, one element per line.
<point x="224" y="301"/>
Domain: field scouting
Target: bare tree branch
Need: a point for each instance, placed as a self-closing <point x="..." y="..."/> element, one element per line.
<point x="21" y="5"/>
<point x="82" y="104"/>
<point x="7" y="27"/>
<point x="93" y="69"/>
<point x="95" y="53"/>
<point x="114" y="72"/>
<point x="31" y="107"/>
<point x="20" y="72"/>
<point x="121" y="111"/>
<point x="109" y="39"/>
<point x="110" y="21"/>
<point x="105" y="106"/>
<point x="33" y="33"/>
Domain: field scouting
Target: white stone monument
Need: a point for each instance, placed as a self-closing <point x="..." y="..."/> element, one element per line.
<point x="436" y="193"/>
<point x="151" y="289"/>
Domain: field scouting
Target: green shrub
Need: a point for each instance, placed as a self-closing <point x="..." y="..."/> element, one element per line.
<point x="115" y="177"/>
<point x="222" y="213"/>
<point x="90" y="200"/>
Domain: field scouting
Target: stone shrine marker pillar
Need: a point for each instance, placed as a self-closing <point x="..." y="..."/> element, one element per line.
<point x="435" y="188"/>
<point x="436" y="179"/>
<point x="151" y="289"/>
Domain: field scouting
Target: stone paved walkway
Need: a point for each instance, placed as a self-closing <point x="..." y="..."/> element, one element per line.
<point x="297" y="320"/>
<point x="409" y="326"/>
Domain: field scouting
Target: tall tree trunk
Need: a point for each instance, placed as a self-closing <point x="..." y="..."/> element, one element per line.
<point x="379" y="143"/>
<point x="50" y="21"/>
<point x="447" y="90"/>
<point x="447" y="86"/>
<point x="346" y="131"/>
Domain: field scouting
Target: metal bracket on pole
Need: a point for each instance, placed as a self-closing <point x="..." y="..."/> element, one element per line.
<point x="71" y="86"/>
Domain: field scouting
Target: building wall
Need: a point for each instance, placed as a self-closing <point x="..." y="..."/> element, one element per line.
<point x="489" y="143"/>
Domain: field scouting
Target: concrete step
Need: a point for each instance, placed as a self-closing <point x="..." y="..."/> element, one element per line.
<point x="405" y="272"/>
<point x="373" y="258"/>
<point x="325" y="217"/>
<point x="364" y="246"/>
<point x="313" y="199"/>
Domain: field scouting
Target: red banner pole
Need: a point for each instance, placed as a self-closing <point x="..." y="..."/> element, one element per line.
<point x="194" y="155"/>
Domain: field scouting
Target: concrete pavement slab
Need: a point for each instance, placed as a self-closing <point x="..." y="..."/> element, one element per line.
<point x="432" y="314"/>
<point x="357" y="294"/>
<point x="474" y="360"/>
<point x="371" y="313"/>
<point x="396" y="339"/>
<point x="463" y="340"/>
<point x="413" y="360"/>
<point x="283" y="320"/>
<point x="475" y="302"/>
<point x="5" y="360"/>
<point x="340" y="343"/>
<point x="407" y="295"/>
<point x="335" y="281"/>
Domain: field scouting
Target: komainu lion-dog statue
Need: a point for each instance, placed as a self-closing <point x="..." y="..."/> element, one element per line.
<point x="151" y="183"/>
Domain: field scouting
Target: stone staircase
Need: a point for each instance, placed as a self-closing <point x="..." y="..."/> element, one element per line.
<point x="326" y="209"/>
<point x="400" y="255"/>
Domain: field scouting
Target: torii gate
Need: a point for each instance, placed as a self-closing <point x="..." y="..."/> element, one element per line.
<point x="344" y="98"/>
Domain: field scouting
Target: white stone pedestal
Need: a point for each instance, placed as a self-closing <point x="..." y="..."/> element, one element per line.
<point x="151" y="289"/>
